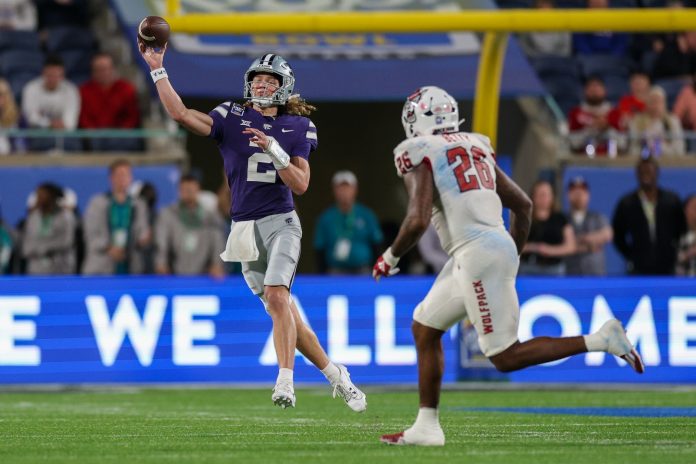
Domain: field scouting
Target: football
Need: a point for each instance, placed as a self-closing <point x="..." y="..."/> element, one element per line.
<point x="153" y="31"/>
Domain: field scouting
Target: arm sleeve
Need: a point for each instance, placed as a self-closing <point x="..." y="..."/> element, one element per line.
<point x="63" y="237"/>
<point x="307" y="142"/>
<point x="31" y="247"/>
<point x="676" y="136"/>
<point x="681" y="108"/>
<point x="71" y="112"/>
<point x="85" y="120"/>
<point x="141" y="226"/>
<point x="96" y="229"/>
<point x="219" y="114"/>
<point x="31" y="101"/>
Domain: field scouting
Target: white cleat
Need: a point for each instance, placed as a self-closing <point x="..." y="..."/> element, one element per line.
<point x="343" y="387"/>
<point x="619" y="345"/>
<point x="413" y="437"/>
<point x="283" y="395"/>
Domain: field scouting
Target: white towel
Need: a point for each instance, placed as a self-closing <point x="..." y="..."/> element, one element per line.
<point x="241" y="243"/>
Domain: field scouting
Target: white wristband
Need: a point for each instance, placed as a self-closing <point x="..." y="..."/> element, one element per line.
<point x="389" y="258"/>
<point x="157" y="74"/>
<point x="281" y="160"/>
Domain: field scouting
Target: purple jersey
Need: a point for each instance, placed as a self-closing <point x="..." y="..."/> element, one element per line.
<point x="255" y="186"/>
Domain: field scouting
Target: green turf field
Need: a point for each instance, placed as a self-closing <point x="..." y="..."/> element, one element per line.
<point x="242" y="426"/>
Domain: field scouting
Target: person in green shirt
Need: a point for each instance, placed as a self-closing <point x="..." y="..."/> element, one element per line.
<point x="6" y="244"/>
<point x="347" y="234"/>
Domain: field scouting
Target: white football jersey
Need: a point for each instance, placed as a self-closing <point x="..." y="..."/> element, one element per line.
<point x="463" y="167"/>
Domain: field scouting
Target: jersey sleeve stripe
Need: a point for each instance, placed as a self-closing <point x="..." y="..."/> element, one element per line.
<point x="311" y="125"/>
<point x="312" y="135"/>
<point x="222" y="111"/>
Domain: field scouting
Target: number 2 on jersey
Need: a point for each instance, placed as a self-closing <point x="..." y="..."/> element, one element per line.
<point x="470" y="181"/>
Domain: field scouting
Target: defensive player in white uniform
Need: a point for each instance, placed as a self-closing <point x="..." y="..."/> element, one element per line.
<point x="452" y="178"/>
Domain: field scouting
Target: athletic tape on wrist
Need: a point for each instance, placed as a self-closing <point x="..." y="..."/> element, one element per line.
<point x="157" y="74"/>
<point x="389" y="258"/>
<point x="281" y="160"/>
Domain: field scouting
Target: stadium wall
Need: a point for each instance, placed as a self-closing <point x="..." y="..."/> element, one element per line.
<point x="179" y="330"/>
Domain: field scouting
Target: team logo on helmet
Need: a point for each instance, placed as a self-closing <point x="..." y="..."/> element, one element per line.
<point x="430" y="110"/>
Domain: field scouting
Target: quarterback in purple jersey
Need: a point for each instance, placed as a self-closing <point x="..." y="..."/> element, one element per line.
<point x="265" y="145"/>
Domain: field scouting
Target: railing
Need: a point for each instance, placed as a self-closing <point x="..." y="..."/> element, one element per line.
<point x="615" y="144"/>
<point x="56" y="142"/>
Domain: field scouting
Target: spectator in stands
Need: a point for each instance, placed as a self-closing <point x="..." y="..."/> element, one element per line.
<point x="601" y="43"/>
<point x="592" y="232"/>
<point x="655" y="131"/>
<point x="62" y="13"/>
<point x="594" y="124"/>
<point x="536" y="44"/>
<point x="48" y="237"/>
<point x="50" y="102"/>
<point x="9" y="116"/>
<point x="188" y="236"/>
<point x="634" y="102"/>
<point x="115" y="227"/>
<point x="6" y="245"/>
<point x="686" y="257"/>
<point x="109" y="102"/>
<point x="431" y="251"/>
<point x="18" y="15"/>
<point x="648" y="224"/>
<point x="671" y="51"/>
<point x="347" y="234"/>
<point x="551" y="238"/>
<point x="685" y="105"/>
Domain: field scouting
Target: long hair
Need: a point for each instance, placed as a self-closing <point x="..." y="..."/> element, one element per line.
<point x="299" y="106"/>
<point x="9" y="116"/>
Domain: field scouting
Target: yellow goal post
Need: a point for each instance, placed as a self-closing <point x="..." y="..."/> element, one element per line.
<point x="495" y="24"/>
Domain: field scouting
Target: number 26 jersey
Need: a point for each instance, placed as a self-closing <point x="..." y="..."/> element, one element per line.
<point x="463" y="169"/>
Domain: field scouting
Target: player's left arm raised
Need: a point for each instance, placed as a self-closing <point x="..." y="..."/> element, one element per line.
<point x="419" y="185"/>
<point x="293" y="170"/>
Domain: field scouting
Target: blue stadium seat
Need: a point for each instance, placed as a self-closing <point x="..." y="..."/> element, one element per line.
<point x="566" y="90"/>
<point x="616" y="86"/>
<point x="605" y="65"/>
<point x="21" y="61"/>
<point x="77" y="64"/>
<point x="19" y="40"/>
<point x="561" y="78"/>
<point x="69" y="38"/>
<point x="18" y="81"/>
<point x="555" y="65"/>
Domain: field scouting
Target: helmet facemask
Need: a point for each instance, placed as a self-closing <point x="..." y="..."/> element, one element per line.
<point x="277" y="67"/>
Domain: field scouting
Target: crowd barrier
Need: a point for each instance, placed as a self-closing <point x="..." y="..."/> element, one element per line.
<point x="178" y="330"/>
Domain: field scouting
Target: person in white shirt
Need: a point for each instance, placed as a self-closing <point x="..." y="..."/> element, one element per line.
<point x="50" y="102"/>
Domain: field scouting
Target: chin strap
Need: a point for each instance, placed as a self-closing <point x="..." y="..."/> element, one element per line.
<point x="281" y="160"/>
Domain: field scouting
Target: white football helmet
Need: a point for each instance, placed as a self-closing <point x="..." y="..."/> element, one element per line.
<point x="276" y="66"/>
<point x="428" y="110"/>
